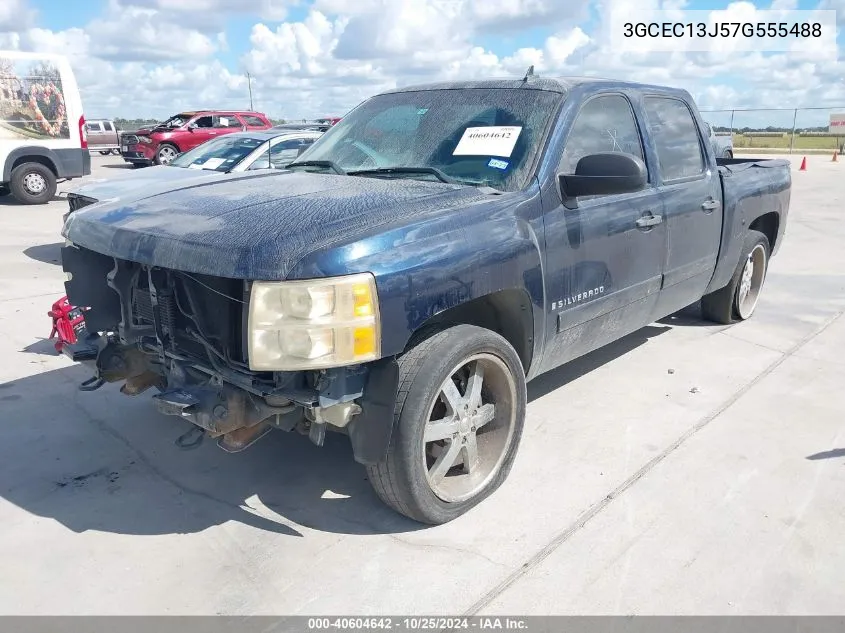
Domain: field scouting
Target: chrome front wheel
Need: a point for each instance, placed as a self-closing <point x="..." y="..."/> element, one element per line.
<point x="458" y="419"/>
<point x="470" y="423"/>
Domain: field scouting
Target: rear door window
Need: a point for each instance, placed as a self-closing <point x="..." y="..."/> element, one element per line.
<point x="252" y="121"/>
<point x="676" y="138"/>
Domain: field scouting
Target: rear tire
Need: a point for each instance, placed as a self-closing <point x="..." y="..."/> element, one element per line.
<point x="738" y="300"/>
<point x="452" y="446"/>
<point x="33" y="183"/>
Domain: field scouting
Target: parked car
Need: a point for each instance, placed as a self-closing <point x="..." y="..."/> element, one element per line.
<point x="402" y="287"/>
<point x="322" y="127"/>
<point x="331" y="120"/>
<point x="723" y="146"/>
<point x="232" y="153"/>
<point x="42" y="127"/>
<point x="103" y="136"/>
<point x="185" y="131"/>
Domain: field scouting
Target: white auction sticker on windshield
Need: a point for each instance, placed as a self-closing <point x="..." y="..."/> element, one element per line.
<point x="494" y="140"/>
<point x="213" y="163"/>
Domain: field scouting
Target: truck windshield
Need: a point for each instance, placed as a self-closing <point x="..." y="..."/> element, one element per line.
<point x="479" y="136"/>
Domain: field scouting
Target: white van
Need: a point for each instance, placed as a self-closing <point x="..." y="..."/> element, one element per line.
<point x="42" y="128"/>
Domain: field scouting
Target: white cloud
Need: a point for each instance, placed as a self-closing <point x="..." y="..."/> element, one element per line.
<point x="269" y="10"/>
<point x="14" y="15"/>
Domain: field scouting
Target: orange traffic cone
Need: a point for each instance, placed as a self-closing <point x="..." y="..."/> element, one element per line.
<point x="835" y="156"/>
<point x="803" y="164"/>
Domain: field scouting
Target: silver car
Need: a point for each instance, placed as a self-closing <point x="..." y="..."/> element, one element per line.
<point x="232" y="153"/>
<point x="723" y="146"/>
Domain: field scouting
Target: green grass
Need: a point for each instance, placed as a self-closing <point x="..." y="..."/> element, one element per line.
<point x="782" y="142"/>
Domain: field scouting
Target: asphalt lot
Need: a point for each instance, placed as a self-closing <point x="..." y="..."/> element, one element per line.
<point x="714" y="488"/>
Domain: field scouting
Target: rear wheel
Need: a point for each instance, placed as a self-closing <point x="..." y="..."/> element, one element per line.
<point x="738" y="300"/>
<point x="166" y="153"/>
<point x="33" y="183"/>
<point x="458" y="421"/>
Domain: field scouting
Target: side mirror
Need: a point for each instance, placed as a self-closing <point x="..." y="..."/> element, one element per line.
<point x="192" y="127"/>
<point x="604" y="174"/>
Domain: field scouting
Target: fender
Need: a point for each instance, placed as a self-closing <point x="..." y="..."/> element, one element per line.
<point x="30" y="150"/>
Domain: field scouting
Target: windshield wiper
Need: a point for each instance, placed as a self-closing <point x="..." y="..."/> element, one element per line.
<point x="318" y="163"/>
<point x="406" y="170"/>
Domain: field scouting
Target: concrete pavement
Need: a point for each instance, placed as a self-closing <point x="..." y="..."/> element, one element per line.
<point x="715" y="488"/>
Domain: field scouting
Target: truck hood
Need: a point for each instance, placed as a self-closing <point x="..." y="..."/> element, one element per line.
<point x="257" y="226"/>
<point x="156" y="179"/>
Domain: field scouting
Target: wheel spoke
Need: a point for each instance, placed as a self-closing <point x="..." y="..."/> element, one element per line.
<point x="451" y="396"/>
<point x="441" y="429"/>
<point x="476" y="379"/>
<point x="470" y="453"/>
<point x="444" y="462"/>
<point x="485" y="414"/>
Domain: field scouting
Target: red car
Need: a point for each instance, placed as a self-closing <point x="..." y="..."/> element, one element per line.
<point x="162" y="143"/>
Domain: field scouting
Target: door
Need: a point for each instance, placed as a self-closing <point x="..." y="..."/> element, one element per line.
<point x="96" y="136"/>
<point x="604" y="259"/>
<point x="692" y="201"/>
<point x="226" y="123"/>
<point x="109" y="133"/>
<point x="201" y="130"/>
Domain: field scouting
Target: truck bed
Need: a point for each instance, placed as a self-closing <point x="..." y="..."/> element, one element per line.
<point x="753" y="189"/>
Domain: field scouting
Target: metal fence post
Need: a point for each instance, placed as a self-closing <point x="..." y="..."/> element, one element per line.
<point x="792" y="141"/>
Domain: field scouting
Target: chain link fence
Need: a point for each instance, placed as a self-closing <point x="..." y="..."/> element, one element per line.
<point x="781" y="130"/>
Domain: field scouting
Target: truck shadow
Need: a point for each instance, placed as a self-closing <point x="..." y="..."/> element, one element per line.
<point x="557" y="378"/>
<point x="47" y="253"/>
<point x="104" y="461"/>
<point x="10" y="201"/>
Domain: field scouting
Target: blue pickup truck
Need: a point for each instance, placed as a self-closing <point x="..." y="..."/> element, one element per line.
<point x="406" y="276"/>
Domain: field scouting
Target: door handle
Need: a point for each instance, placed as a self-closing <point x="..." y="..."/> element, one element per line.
<point x="649" y="220"/>
<point x="710" y="205"/>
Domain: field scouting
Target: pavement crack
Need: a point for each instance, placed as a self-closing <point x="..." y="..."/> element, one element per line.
<point x="585" y="517"/>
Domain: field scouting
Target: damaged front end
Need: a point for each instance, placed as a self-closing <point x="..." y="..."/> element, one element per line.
<point x="186" y="335"/>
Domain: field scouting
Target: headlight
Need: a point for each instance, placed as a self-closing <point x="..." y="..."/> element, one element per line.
<point x="145" y="139"/>
<point x="313" y="323"/>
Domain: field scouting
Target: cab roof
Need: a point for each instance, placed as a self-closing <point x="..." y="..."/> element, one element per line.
<point x="561" y="85"/>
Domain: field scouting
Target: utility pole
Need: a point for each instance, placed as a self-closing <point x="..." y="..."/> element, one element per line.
<point x="249" y="83"/>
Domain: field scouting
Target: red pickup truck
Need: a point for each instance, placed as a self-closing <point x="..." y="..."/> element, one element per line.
<point x="162" y="143"/>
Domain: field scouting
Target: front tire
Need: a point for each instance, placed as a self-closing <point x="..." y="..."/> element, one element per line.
<point x="166" y="153"/>
<point x="738" y="300"/>
<point x="458" y="421"/>
<point x="33" y="183"/>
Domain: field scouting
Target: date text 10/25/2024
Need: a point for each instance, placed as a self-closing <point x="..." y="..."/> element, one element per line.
<point x="479" y="623"/>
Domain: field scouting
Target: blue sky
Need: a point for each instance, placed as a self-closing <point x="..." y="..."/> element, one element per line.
<point x="149" y="58"/>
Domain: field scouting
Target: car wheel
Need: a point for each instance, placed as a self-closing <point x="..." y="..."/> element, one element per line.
<point x="166" y="153"/>
<point x="728" y="154"/>
<point x="458" y="420"/>
<point x="33" y="183"/>
<point x="738" y="300"/>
